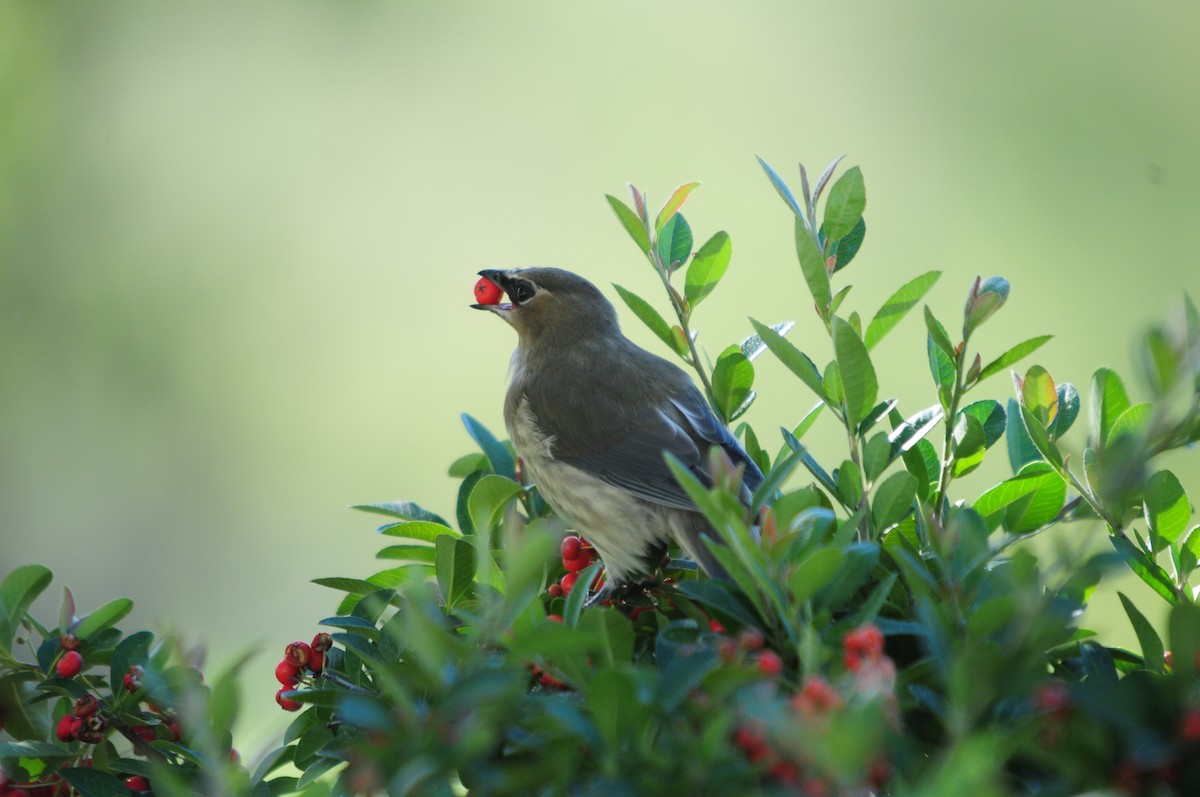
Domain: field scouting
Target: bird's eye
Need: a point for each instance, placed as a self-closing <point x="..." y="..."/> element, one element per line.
<point x="522" y="292"/>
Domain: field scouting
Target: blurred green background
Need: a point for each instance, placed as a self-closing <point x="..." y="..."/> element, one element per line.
<point x="237" y="241"/>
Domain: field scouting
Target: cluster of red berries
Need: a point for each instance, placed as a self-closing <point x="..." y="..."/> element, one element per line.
<point x="577" y="555"/>
<point x="71" y="662"/>
<point x="298" y="658"/>
<point x="751" y="643"/>
<point x="861" y="646"/>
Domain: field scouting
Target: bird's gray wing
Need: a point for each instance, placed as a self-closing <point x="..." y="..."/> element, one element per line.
<point x="685" y="428"/>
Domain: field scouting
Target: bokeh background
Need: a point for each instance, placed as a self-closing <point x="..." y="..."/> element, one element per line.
<point x="237" y="242"/>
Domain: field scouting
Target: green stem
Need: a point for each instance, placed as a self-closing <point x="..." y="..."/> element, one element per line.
<point x="947" y="447"/>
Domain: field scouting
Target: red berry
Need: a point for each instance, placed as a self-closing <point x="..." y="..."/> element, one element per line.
<point x="137" y="783"/>
<point x="69" y="665"/>
<point x="144" y="732"/>
<point x="865" y="642"/>
<point x="322" y="642"/>
<point x="576" y="564"/>
<point x="299" y="652"/>
<point x="716" y="627"/>
<point x="555" y="590"/>
<point x="1190" y="727"/>
<point x="769" y="663"/>
<point x="487" y="292"/>
<point x="751" y="639"/>
<point x="68" y="726"/>
<point x="570" y="547"/>
<point x="568" y="581"/>
<point x="287" y="672"/>
<point x="316" y="662"/>
<point x="234" y="756"/>
<point x="554" y="618"/>
<point x="1053" y="697"/>
<point x="284" y="703"/>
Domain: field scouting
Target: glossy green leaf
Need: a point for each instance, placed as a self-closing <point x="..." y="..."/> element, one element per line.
<point x="499" y="457"/>
<point x="845" y="204"/>
<point x="632" y="224"/>
<point x="25" y="717"/>
<point x="849" y="482"/>
<point x="782" y="188"/>
<point x="897" y="306"/>
<point x="1021" y="449"/>
<point x="673" y="204"/>
<point x="992" y="504"/>
<point x="489" y="498"/>
<point x="1039" y="395"/>
<point x="1013" y="355"/>
<point x="812" y="264"/>
<point x="753" y="345"/>
<point x="831" y="380"/>
<point x="990" y="415"/>
<point x="1040" y="439"/>
<point x="796" y="361"/>
<point x="893" y="499"/>
<point x="968" y="444"/>
<point x="859" y="384"/>
<point x="877" y="455"/>
<point x="106" y="616"/>
<point x="418" y="530"/>
<point x="707" y="268"/>
<point x="1107" y="402"/>
<point x="923" y="463"/>
<point x="648" y="316"/>
<point x="1148" y="638"/>
<point x="1068" y="409"/>
<point x="675" y="241"/>
<point x="1039" y="506"/>
<point x="405" y="510"/>
<point x="846" y="248"/>
<point x="455" y="568"/>
<point x="1166" y="508"/>
<point x="732" y="379"/>
<point x="1146" y="569"/>
<point x="1162" y="361"/>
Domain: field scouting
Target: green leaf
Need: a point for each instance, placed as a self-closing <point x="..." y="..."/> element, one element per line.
<point x="19" y="589"/>
<point x="897" y="306"/>
<point x="845" y="204"/>
<point x="405" y="510"/>
<point x="923" y="463"/>
<point x="1039" y="395"/>
<point x="1041" y="440"/>
<point x="455" y="568"/>
<point x="673" y="204"/>
<point x="1166" y="508"/>
<point x="25" y="717"/>
<point x="490" y="497"/>
<point x="859" y="385"/>
<point x="1031" y="479"/>
<point x="93" y="782"/>
<point x="877" y="455"/>
<point x="423" y="554"/>
<point x="812" y="264"/>
<point x="1162" y="361"/>
<point x="813" y="573"/>
<point x="782" y="188"/>
<point x="893" y="499"/>
<point x="106" y="616"/>
<point x="707" y="268"/>
<point x="1107" y="402"/>
<point x="849" y="482"/>
<point x="941" y="352"/>
<point x="969" y="444"/>
<point x="753" y="345"/>
<point x="648" y="316"/>
<point x="846" y="248"/>
<point x="1152" y="646"/>
<point x="353" y="586"/>
<point x="632" y="224"/>
<point x="418" y="530"/>
<point x="1133" y="421"/>
<point x="991" y="416"/>
<point x="34" y="750"/>
<point x="732" y="379"/>
<point x="501" y="461"/>
<point x="675" y="241"/>
<point x="1040" y="505"/>
<point x="796" y="360"/>
<point x="1021" y="449"/>
<point x="1013" y="355"/>
<point x="1068" y="409"/>
<point x="1146" y="569"/>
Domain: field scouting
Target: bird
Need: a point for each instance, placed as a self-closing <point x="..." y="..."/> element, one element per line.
<point x="591" y="416"/>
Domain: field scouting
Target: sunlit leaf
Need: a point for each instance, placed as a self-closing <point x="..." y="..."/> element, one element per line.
<point x="1107" y="401"/>
<point x="845" y="205"/>
<point x="812" y="264"/>
<point x="707" y="268"/>
<point x="675" y="241"/>
<point x="1013" y="355"/>
<point x="1166" y="508"/>
<point x="673" y="204"/>
<point x="859" y="384"/>
<point x="897" y="306"/>
<point x="632" y="224"/>
<point x="782" y="188"/>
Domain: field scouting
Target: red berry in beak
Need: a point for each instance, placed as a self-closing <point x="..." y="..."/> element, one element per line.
<point x="487" y="292"/>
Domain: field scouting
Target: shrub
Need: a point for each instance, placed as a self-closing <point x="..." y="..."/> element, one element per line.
<point x="877" y="635"/>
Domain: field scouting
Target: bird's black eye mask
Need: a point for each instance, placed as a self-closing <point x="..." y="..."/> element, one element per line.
<point x="520" y="291"/>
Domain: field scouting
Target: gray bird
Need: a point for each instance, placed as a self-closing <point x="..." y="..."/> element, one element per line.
<point x="591" y="414"/>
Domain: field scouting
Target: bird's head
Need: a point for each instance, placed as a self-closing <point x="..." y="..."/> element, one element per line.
<point x="549" y="303"/>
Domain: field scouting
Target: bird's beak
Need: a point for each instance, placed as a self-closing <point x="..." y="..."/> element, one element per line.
<point x="501" y="279"/>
